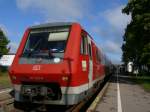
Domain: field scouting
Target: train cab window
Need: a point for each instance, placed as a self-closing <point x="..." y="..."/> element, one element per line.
<point x="84" y="45"/>
<point x="45" y="46"/>
<point x="90" y="51"/>
<point x="89" y="46"/>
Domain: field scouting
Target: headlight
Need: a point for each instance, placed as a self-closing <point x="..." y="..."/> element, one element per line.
<point x="14" y="77"/>
<point x="27" y="90"/>
<point x="65" y="78"/>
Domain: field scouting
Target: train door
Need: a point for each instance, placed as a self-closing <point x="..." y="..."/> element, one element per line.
<point x="87" y="63"/>
<point x="84" y="58"/>
<point x="90" y="74"/>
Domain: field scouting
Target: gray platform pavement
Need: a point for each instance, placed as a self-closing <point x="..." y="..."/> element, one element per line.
<point x="133" y="98"/>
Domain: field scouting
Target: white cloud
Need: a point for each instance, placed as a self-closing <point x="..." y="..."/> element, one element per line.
<point x="55" y="10"/>
<point x="111" y="30"/>
<point x="13" y="47"/>
<point x="116" y="18"/>
<point x="113" y="51"/>
<point x="111" y="24"/>
<point x="100" y="31"/>
<point x="115" y="60"/>
<point x="111" y="47"/>
<point x="36" y="23"/>
<point x="4" y="29"/>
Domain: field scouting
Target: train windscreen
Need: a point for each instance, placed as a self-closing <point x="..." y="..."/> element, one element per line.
<point x="45" y="46"/>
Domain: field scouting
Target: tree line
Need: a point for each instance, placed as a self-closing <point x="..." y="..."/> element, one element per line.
<point x="3" y="43"/>
<point x="136" y="46"/>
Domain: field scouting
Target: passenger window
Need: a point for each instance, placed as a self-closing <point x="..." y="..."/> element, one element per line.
<point x="90" y="51"/>
<point x="84" y="45"/>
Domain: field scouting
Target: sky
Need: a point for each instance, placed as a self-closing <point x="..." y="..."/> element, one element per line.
<point x="102" y="19"/>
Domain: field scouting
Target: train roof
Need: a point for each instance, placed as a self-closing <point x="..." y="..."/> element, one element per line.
<point x="54" y="24"/>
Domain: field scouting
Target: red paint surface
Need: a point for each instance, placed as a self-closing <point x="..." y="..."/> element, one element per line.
<point x="70" y="67"/>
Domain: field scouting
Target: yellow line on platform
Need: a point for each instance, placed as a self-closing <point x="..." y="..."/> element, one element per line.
<point x="97" y="99"/>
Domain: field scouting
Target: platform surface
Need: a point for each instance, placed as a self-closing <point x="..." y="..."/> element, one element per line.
<point x="129" y="97"/>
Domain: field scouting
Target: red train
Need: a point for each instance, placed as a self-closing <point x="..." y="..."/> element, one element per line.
<point x="57" y="63"/>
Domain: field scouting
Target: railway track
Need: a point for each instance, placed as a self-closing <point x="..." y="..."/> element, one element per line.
<point x="6" y="101"/>
<point x="87" y="105"/>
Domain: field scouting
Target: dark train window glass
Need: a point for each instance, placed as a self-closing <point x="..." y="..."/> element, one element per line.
<point x="45" y="46"/>
<point x="44" y="41"/>
<point x="90" y="51"/>
<point x="81" y="47"/>
<point x="84" y="45"/>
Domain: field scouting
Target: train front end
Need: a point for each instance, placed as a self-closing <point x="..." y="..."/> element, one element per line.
<point x="42" y="68"/>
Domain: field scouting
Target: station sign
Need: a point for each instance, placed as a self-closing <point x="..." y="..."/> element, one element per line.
<point x="6" y="60"/>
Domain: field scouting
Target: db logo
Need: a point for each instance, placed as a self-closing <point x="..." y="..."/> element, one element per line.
<point x="36" y="67"/>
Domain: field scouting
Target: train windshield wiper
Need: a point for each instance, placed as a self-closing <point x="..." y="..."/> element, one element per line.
<point x="30" y="51"/>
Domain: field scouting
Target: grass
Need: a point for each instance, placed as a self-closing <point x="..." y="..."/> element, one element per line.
<point x="144" y="81"/>
<point x="4" y="80"/>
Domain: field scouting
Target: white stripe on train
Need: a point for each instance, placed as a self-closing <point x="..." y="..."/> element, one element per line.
<point x="70" y="90"/>
<point x="79" y="89"/>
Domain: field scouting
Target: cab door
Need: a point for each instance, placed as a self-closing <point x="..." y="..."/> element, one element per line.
<point x="87" y="62"/>
<point x="90" y="74"/>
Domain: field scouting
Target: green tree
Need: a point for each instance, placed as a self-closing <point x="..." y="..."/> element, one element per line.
<point x="3" y="43"/>
<point x="136" y="46"/>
